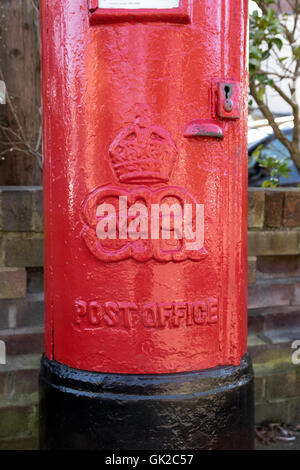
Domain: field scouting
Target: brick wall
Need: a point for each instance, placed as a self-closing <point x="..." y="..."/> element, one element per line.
<point x="21" y="313"/>
<point x="274" y="307"/>
<point x="274" y="301"/>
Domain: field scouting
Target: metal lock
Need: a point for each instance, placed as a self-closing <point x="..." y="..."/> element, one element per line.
<point x="229" y="100"/>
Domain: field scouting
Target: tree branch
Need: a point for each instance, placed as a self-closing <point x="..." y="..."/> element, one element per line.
<point x="269" y="116"/>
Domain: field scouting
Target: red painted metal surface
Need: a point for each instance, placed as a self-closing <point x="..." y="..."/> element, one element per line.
<point x="117" y="100"/>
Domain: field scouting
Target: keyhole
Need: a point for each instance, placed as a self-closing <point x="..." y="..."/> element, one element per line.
<point x="227" y="90"/>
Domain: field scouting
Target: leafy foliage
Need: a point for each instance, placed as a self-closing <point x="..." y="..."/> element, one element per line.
<point x="265" y="36"/>
<point x="275" y="167"/>
<point x="274" y="62"/>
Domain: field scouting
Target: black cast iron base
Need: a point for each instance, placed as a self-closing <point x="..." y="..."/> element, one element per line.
<point x="211" y="409"/>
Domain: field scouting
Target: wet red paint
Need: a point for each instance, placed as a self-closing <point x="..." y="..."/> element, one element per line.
<point x="159" y="315"/>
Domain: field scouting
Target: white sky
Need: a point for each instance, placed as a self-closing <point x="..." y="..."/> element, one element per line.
<point x="252" y="6"/>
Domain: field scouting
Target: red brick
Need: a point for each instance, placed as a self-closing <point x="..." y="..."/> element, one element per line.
<point x="12" y="283"/>
<point x="31" y="312"/>
<point x="255" y="322"/>
<point x="267" y="295"/>
<point x="29" y="343"/>
<point x="16" y="210"/>
<point x="291" y="214"/>
<point x="3" y="382"/>
<point x="273" y="242"/>
<point x="278" y="267"/>
<point x="23" y="251"/>
<point x="38" y="210"/>
<point x="282" y="319"/>
<point x="273" y="208"/>
<point x="251" y="270"/>
<point x="256" y="208"/>
<point x="22" y="313"/>
<point x="296" y="300"/>
<point x="35" y="280"/>
<point x="3" y="317"/>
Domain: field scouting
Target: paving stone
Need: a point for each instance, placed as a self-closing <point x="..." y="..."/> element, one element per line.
<point x="273" y="412"/>
<point x="26" y="381"/>
<point x="29" y="443"/>
<point x="281" y="385"/>
<point x="267" y="356"/>
<point x="15" y="420"/>
<point x="259" y="388"/>
<point x="295" y="411"/>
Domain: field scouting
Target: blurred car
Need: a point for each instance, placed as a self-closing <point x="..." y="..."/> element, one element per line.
<point x="270" y="146"/>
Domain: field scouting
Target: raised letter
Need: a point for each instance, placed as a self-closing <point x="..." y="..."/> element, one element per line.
<point x="200" y="313"/>
<point x="149" y="315"/>
<point x="79" y="309"/>
<point x="127" y="308"/>
<point x="94" y="313"/>
<point x="179" y="312"/>
<point x="212" y="311"/>
<point x="111" y="316"/>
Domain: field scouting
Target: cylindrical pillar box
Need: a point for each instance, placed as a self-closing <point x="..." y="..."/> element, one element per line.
<point x="145" y="182"/>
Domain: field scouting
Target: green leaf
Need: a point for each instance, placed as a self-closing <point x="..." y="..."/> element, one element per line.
<point x="278" y="42"/>
<point x="256" y="152"/>
<point x="269" y="184"/>
<point x="296" y="51"/>
<point x="265" y="55"/>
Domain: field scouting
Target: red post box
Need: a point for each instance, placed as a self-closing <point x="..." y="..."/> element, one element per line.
<point x="145" y="164"/>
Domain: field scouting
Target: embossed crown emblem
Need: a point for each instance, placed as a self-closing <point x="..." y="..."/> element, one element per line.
<point x="143" y="152"/>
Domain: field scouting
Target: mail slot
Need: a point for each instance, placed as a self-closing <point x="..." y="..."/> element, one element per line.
<point x="145" y="177"/>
